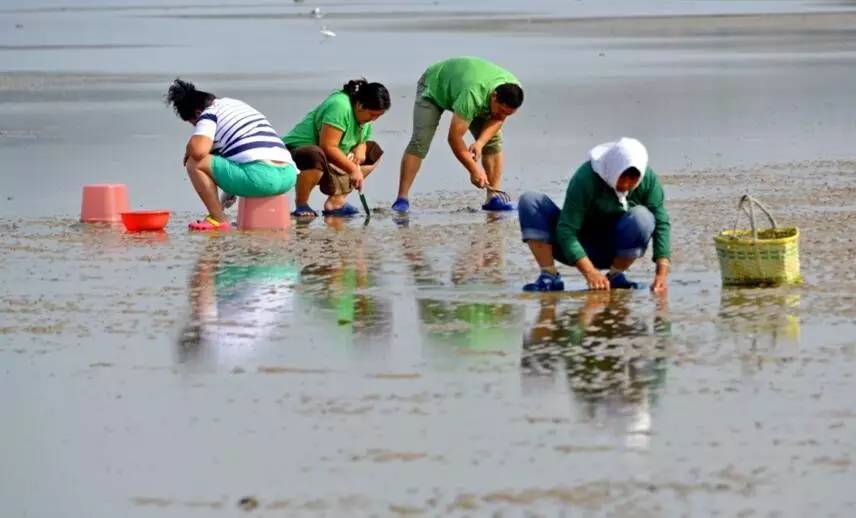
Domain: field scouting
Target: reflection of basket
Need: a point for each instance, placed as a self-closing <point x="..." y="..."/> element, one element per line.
<point x="754" y="313"/>
<point x="756" y="257"/>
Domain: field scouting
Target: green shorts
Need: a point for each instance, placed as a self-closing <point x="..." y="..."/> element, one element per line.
<point x="252" y="179"/>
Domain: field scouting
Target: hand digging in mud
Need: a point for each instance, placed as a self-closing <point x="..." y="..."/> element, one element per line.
<point x="614" y="206"/>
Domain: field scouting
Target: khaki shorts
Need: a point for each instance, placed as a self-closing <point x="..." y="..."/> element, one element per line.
<point x="333" y="181"/>
<point x="426" y="117"/>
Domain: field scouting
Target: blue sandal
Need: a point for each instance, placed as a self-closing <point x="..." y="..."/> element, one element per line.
<point x="401" y="205"/>
<point x="546" y="282"/>
<point x="304" y="211"/>
<point x="498" y="205"/>
<point x="345" y="211"/>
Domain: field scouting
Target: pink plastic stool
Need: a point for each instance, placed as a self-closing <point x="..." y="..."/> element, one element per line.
<point x="268" y="213"/>
<point x="103" y="202"/>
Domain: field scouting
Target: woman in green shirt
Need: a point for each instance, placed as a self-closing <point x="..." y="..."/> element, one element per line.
<point x="331" y="146"/>
<point x="613" y="207"/>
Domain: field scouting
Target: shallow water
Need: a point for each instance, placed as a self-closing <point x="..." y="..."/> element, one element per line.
<point x="395" y="368"/>
<point x="81" y="88"/>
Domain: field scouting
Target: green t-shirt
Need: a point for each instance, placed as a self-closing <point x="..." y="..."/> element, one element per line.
<point x="335" y="111"/>
<point x="463" y="85"/>
<point x="591" y="208"/>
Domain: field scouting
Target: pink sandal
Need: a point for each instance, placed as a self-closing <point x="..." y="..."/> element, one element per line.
<point x="208" y="224"/>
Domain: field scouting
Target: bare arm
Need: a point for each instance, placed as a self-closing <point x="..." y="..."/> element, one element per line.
<point x="457" y="130"/>
<point x="359" y="153"/>
<point x="593" y="277"/>
<point x="329" y="143"/>
<point x="329" y="140"/>
<point x="660" y="284"/>
<point x="198" y="147"/>
<point x="595" y="303"/>
<point x="490" y="129"/>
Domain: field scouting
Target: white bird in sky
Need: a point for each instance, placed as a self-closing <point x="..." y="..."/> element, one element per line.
<point x="316" y="12"/>
<point x="327" y="33"/>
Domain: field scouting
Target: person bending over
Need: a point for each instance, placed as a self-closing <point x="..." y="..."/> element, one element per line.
<point x="332" y="149"/>
<point x="233" y="147"/>
<point x="614" y="206"/>
<point x="481" y="95"/>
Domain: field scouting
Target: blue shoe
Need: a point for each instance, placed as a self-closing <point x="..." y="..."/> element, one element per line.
<point x="620" y="282"/>
<point x="546" y="282"/>
<point x="304" y="211"/>
<point x="345" y="211"/>
<point x="401" y="205"/>
<point x="495" y="204"/>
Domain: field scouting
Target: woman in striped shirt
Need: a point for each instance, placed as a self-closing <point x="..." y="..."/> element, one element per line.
<point x="233" y="147"/>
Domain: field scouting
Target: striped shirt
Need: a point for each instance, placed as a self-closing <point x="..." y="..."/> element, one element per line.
<point x="240" y="133"/>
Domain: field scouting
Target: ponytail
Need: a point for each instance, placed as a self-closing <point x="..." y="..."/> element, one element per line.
<point x="186" y="100"/>
<point x="373" y="96"/>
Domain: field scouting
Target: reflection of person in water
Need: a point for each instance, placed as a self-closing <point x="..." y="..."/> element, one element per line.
<point x="336" y="286"/>
<point x="612" y="358"/>
<point x="483" y="259"/>
<point x="474" y="324"/>
<point x="235" y="306"/>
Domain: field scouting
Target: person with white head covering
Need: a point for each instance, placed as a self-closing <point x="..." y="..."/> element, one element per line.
<point x="614" y="206"/>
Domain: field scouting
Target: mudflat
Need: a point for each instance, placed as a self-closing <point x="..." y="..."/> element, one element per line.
<point x="396" y="368"/>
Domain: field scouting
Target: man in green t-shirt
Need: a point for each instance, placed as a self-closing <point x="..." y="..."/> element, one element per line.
<point x="613" y="207"/>
<point x="480" y="95"/>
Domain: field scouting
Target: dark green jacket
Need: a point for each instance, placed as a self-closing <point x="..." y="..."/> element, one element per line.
<point x="591" y="209"/>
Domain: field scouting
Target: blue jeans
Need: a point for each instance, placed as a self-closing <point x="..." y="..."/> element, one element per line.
<point x="629" y="238"/>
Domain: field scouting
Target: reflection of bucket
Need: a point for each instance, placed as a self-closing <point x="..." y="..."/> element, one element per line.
<point x="148" y="238"/>
<point x="108" y="239"/>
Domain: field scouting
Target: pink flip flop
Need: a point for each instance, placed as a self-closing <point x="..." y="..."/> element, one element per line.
<point x="208" y="224"/>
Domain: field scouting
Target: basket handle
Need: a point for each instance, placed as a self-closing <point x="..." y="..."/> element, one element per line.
<point x="750" y="212"/>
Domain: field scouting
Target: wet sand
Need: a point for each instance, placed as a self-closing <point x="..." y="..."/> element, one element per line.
<point x="395" y="368"/>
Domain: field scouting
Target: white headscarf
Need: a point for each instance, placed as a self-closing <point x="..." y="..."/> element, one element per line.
<point x="613" y="158"/>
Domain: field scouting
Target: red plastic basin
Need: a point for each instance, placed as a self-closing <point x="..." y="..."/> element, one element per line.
<point x="145" y="219"/>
